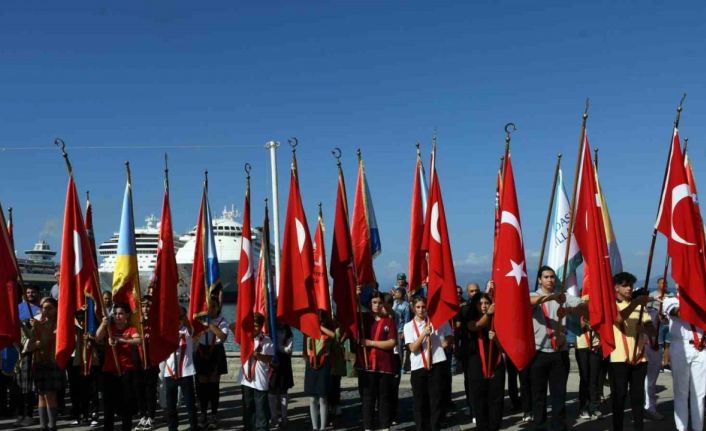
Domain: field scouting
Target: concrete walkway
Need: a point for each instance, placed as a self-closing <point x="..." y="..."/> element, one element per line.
<point x="231" y="414"/>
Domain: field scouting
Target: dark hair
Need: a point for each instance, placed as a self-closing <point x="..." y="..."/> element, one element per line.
<point x="418" y="298"/>
<point x="545" y="268"/>
<point x="258" y="318"/>
<point x="661" y="278"/>
<point x="623" y="278"/>
<point x="108" y="292"/>
<point x="182" y="308"/>
<point x="387" y="299"/>
<point x="475" y="303"/>
<point x="125" y="307"/>
<point x="376" y="294"/>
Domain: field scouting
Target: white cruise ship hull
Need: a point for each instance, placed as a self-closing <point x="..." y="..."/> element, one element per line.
<point x="228" y="271"/>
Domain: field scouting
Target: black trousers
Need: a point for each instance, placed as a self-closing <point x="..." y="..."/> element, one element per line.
<point x="395" y="392"/>
<point x="148" y="380"/>
<point x="426" y="391"/>
<point x="466" y="385"/>
<point x="118" y="393"/>
<point x="549" y="368"/>
<point x="377" y="387"/>
<point x="590" y="363"/>
<point x="80" y="392"/>
<point x="623" y="375"/>
<point x="488" y="394"/>
<point x="256" y="409"/>
<point x="189" y="397"/>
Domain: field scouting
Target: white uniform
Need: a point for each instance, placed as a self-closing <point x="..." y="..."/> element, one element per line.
<point x="688" y="371"/>
<point x="654" y="356"/>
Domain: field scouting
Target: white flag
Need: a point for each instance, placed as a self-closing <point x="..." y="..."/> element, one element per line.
<point x="558" y="235"/>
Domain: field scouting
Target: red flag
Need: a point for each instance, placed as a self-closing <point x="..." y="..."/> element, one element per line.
<point x="417" y="258"/>
<point x="10" y="323"/>
<point x="198" y="291"/>
<point x="296" y="304"/>
<point x="321" y="289"/>
<point x="260" y="304"/>
<point x="442" y="299"/>
<point x="360" y="231"/>
<point x="678" y="220"/>
<point x="246" y="288"/>
<point x="78" y="275"/>
<point x="590" y="235"/>
<point x="343" y="265"/>
<point x="513" y="312"/>
<point x="164" y="333"/>
<point x="694" y="194"/>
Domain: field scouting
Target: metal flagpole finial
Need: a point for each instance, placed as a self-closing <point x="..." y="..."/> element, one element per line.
<point x="336" y="152"/>
<point x="679" y="109"/>
<point x="359" y="154"/>
<point x="293" y="142"/>
<point x="88" y="195"/>
<point x="166" y="163"/>
<point x="686" y="144"/>
<point x="247" y="168"/>
<point x="585" y="109"/>
<point x="508" y="131"/>
<point x="205" y="177"/>
<point x="62" y="146"/>
<point x="129" y="174"/>
<point x="271" y="144"/>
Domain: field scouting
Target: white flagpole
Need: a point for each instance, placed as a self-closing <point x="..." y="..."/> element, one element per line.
<point x="272" y="146"/>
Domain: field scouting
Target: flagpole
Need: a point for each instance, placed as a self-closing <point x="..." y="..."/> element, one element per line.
<point x="84" y="349"/>
<point x="582" y="138"/>
<point x="552" y="195"/>
<point x="664" y="181"/>
<point x="139" y="291"/>
<point x="361" y="326"/>
<point x="272" y="146"/>
<point x="62" y="146"/>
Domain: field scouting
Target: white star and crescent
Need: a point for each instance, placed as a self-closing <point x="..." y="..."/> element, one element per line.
<point x="518" y="271"/>
<point x="301" y="234"/>
<point x="679" y="192"/>
<point x="435" y="222"/>
<point x="78" y="257"/>
<point x="246" y="249"/>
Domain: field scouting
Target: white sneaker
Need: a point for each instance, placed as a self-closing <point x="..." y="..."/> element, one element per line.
<point x="148" y="424"/>
<point x="94" y="423"/>
<point x="140" y="425"/>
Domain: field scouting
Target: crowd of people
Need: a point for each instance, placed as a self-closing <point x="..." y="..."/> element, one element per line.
<point x="107" y="380"/>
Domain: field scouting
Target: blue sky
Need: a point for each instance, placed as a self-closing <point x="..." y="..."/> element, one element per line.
<point x="375" y="75"/>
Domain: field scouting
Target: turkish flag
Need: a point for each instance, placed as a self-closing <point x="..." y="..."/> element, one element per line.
<point x="418" y="270"/>
<point x="164" y="326"/>
<point x="10" y="324"/>
<point x="679" y="221"/>
<point x="442" y="298"/>
<point x="246" y="288"/>
<point x="692" y="188"/>
<point x="589" y="232"/>
<point x="342" y="265"/>
<point x="296" y="304"/>
<point x="513" y="311"/>
<point x="321" y="289"/>
<point x="78" y="275"/>
<point x="360" y="232"/>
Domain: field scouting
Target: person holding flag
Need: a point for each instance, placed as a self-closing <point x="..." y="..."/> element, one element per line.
<point x="365" y="235"/>
<point x="178" y="375"/>
<point x="486" y="369"/>
<point x="255" y="378"/>
<point x="426" y="344"/>
<point x="628" y="363"/>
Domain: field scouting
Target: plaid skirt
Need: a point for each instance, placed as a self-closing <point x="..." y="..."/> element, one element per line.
<point x="48" y="377"/>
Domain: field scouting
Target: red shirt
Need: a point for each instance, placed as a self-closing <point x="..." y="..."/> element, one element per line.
<point x="378" y="359"/>
<point x="126" y="352"/>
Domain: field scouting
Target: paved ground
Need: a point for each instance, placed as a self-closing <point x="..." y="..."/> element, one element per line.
<point x="299" y="411"/>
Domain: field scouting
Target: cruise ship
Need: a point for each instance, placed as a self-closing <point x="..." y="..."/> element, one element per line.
<point x="146" y="241"/>
<point x="228" y="235"/>
<point x="38" y="267"/>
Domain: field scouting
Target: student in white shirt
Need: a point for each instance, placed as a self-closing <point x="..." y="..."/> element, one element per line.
<point x="426" y="346"/>
<point x="178" y="373"/>
<point x="687" y="353"/>
<point x="254" y="377"/>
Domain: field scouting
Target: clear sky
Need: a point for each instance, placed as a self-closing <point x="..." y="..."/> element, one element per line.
<point x="375" y="75"/>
